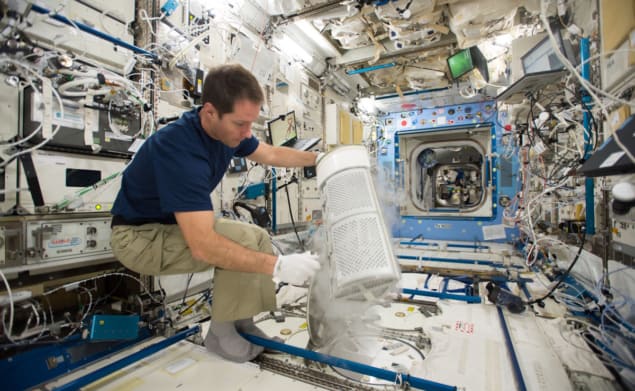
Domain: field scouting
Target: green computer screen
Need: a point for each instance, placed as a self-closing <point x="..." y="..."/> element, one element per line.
<point x="460" y="63"/>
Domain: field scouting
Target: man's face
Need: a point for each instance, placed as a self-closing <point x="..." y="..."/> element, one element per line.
<point x="233" y="127"/>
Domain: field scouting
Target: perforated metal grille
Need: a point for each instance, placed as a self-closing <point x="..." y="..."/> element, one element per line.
<point x="348" y="191"/>
<point x="357" y="246"/>
<point x="376" y="287"/>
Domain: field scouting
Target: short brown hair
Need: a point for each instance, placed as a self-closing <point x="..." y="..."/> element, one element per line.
<point x="225" y="84"/>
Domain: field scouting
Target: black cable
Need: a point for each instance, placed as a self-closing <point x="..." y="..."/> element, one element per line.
<point x="593" y="140"/>
<point x="295" y="229"/>
<point x="274" y="244"/>
<point x="530" y="116"/>
<point x="404" y="9"/>
<point x="564" y="276"/>
<point x="420" y="236"/>
<point x="101" y="299"/>
<point x="187" y="287"/>
<point x="203" y="296"/>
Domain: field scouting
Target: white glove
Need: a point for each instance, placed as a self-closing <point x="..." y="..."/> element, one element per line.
<point x="295" y="269"/>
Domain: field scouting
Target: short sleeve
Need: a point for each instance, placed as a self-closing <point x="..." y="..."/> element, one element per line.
<point x="247" y="147"/>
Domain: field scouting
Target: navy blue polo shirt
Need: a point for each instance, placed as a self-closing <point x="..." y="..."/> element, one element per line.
<point x="175" y="170"/>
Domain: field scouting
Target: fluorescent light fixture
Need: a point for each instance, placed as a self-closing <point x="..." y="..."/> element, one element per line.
<point x="367" y="104"/>
<point x="291" y="48"/>
<point x="305" y="27"/>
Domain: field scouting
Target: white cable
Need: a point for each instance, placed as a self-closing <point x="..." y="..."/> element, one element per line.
<point x="543" y="17"/>
<point x="20" y="340"/>
<point x="143" y="14"/>
<point x="115" y="128"/>
<point x="584" y="348"/>
<point x="61" y="105"/>
<point x="57" y="11"/>
<point x="10" y="158"/>
<point x="103" y="26"/>
<point x="83" y="82"/>
<point x="530" y="202"/>
<point x="22" y="140"/>
<point x="28" y="322"/>
<point x="81" y="78"/>
<point x="90" y="304"/>
<point x="74" y="284"/>
<point x="182" y="52"/>
<point x="599" y="90"/>
<point x="42" y="328"/>
<point x="8" y="331"/>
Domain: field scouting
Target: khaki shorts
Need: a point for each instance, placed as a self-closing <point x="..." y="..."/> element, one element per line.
<point x="157" y="249"/>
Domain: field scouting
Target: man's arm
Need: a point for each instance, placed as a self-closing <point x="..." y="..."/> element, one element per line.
<point x="282" y="156"/>
<point x="208" y="246"/>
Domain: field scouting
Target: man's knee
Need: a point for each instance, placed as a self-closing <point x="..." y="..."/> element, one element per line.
<point x="250" y="236"/>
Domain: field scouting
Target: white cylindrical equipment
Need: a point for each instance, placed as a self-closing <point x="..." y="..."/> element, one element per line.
<point x="362" y="265"/>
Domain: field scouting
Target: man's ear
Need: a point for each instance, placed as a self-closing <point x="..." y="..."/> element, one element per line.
<point x="210" y="109"/>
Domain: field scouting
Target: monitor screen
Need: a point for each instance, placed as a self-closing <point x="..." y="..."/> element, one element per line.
<point x="282" y="130"/>
<point x="465" y="61"/>
<point x="543" y="57"/>
<point x="460" y="63"/>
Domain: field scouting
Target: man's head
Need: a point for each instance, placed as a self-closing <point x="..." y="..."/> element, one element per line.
<point x="226" y="84"/>
<point x="231" y="103"/>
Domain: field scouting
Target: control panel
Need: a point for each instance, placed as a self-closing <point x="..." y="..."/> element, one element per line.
<point x="34" y="243"/>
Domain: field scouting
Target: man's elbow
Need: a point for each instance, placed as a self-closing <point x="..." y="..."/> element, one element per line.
<point x="205" y="246"/>
<point x="199" y="254"/>
<point x="202" y="251"/>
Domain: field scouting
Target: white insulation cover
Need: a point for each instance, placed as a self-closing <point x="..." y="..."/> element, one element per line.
<point x="361" y="261"/>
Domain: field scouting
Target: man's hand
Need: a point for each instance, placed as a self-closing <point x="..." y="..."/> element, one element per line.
<point x="295" y="269"/>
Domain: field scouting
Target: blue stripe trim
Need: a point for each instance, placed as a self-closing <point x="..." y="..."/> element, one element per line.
<point x="518" y="375"/>
<point x="93" y="31"/>
<point x="454" y="260"/>
<point x="128" y="360"/>
<point x="441" y="295"/>
<point x="449" y="245"/>
<point x="379" y="373"/>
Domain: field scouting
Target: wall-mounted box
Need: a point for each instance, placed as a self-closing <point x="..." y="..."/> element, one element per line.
<point x="341" y="127"/>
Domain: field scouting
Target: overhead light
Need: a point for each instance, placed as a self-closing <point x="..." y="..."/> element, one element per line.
<point x="317" y="38"/>
<point x="367" y="104"/>
<point x="371" y="68"/>
<point x="291" y="48"/>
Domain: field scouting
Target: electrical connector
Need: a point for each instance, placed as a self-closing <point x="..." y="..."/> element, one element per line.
<point x="169" y="7"/>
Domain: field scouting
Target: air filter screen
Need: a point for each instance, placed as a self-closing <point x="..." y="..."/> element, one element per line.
<point x="362" y="265"/>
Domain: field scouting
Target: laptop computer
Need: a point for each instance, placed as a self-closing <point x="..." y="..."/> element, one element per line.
<point x="530" y="82"/>
<point x="609" y="158"/>
<point x="541" y="68"/>
<point x="282" y="132"/>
